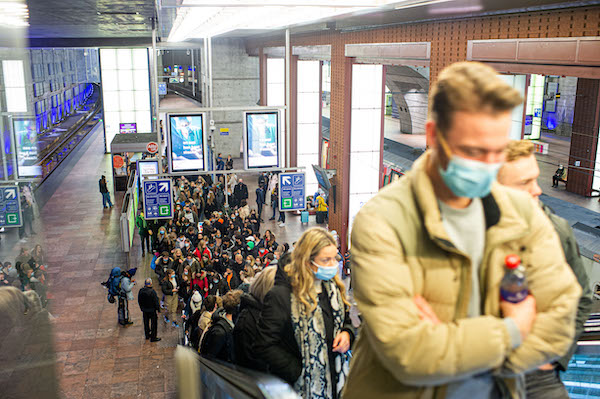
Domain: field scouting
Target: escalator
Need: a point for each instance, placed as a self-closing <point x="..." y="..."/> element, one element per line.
<point x="200" y="378"/>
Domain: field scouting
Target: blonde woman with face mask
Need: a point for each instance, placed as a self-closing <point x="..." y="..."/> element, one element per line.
<point x="305" y="330"/>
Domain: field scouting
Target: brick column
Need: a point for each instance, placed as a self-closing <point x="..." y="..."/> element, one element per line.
<point x="339" y="143"/>
<point x="584" y="138"/>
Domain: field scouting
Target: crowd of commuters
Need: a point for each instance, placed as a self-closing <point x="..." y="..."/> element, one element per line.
<point x="427" y="257"/>
<point x="28" y="272"/>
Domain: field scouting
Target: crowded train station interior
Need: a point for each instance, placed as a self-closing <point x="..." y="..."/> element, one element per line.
<point x="299" y="199"/>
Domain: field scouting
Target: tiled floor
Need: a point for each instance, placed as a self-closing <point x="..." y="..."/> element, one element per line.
<point x="97" y="358"/>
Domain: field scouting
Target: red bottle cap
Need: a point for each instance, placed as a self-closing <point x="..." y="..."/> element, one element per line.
<point x="512" y="261"/>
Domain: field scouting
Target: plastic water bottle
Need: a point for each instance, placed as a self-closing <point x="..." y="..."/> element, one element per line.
<point x="513" y="287"/>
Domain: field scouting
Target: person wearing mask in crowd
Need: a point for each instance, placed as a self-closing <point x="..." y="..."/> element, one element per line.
<point x="200" y="282"/>
<point x="521" y="171"/>
<point x="163" y="242"/>
<point x="170" y="287"/>
<point x="443" y="232"/>
<point x="185" y="285"/>
<point x="244" y="210"/>
<point x="216" y="284"/>
<point x="218" y="340"/>
<point x="304" y="329"/>
<point x="149" y="305"/>
<point x="106" y="202"/>
<point x="209" y="306"/>
<point x="245" y="330"/>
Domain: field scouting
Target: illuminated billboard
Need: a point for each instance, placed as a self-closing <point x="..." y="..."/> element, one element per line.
<point x="27" y="150"/>
<point x="186" y="142"/>
<point x="261" y="139"/>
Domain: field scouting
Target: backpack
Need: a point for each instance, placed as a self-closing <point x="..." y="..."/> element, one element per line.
<point x="114" y="287"/>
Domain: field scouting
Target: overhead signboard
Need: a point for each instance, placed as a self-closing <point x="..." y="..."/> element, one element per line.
<point x="186" y="142"/>
<point x="174" y="80"/>
<point x="162" y="89"/>
<point x="10" y="207"/>
<point x="292" y="191"/>
<point x="158" y="199"/>
<point x="27" y="149"/>
<point x="261" y="139"/>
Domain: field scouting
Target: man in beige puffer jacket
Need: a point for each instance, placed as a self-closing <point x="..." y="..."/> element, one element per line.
<point x="428" y="257"/>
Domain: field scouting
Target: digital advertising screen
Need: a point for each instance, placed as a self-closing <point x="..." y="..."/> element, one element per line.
<point x="186" y="142"/>
<point x="261" y="139"/>
<point x="27" y="150"/>
<point x="147" y="167"/>
<point x="127" y="128"/>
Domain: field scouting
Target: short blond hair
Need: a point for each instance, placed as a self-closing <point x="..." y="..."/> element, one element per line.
<point x="263" y="282"/>
<point x="469" y="87"/>
<point x="518" y="149"/>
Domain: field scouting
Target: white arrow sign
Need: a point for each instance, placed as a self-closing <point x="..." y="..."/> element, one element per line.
<point x="163" y="186"/>
<point x="11" y="193"/>
<point x="287" y="180"/>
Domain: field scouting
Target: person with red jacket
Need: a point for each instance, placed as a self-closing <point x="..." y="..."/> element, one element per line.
<point x="200" y="282"/>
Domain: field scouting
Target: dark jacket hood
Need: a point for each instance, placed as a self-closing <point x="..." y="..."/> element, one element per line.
<point x="282" y="278"/>
<point x="248" y="301"/>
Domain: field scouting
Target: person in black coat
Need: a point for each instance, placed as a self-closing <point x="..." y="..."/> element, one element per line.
<point x="218" y="341"/>
<point x="240" y="192"/>
<point x="246" y="326"/>
<point x="276" y="344"/>
<point x="149" y="305"/>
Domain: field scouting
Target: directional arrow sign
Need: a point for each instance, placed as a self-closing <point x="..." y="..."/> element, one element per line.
<point x="10" y="207"/>
<point x="292" y="192"/>
<point x="158" y="199"/>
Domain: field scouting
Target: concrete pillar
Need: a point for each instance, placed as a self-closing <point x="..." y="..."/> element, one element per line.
<point x="584" y="138"/>
<point x="235" y="83"/>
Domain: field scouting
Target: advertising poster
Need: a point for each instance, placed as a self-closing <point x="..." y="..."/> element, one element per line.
<point x="186" y="140"/>
<point x="125" y="128"/>
<point x="27" y="151"/>
<point x="262" y="139"/>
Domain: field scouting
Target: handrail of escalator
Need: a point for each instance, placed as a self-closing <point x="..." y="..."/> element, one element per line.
<point x="76" y="128"/>
<point x="198" y="377"/>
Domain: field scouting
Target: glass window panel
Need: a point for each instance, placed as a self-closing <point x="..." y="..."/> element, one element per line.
<point x="16" y="99"/>
<point x="127" y="117"/>
<point x="308" y="76"/>
<point x="125" y="80"/>
<point x="126" y="101"/>
<point x="141" y="80"/>
<point x="124" y="58"/>
<point x="275" y="94"/>
<point x="275" y="70"/>
<point x="110" y="80"/>
<point x="108" y="58"/>
<point x="142" y="100"/>
<point x="13" y="73"/>
<point x="111" y="101"/>
<point x="308" y="139"/>
<point x="308" y="107"/>
<point x="140" y="59"/>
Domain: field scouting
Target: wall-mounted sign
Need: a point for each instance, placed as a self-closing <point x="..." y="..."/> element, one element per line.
<point x="118" y="161"/>
<point x="152" y="147"/>
<point x="224" y="131"/>
<point x="174" y="80"/>
<point x="162" y="89"/>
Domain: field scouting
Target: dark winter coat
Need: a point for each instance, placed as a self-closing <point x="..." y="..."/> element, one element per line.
<point x="218" y="340"/>
<point x="148" y="300"/>
<point x="276" y="344"/>
<point x="245" y="333"/>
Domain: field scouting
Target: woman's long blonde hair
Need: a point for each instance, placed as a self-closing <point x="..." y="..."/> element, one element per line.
<point x="299" y="269"/>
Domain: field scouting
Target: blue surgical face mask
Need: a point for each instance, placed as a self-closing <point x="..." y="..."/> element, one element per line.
<point x="466" y="177"/>
<point x="325" y="273"/>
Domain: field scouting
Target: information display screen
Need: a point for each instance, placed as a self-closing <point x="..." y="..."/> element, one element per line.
<point x="186" y="142"/>
<point x="127" y="128"/>
<point x="27" y="150"/>
<point x="147" y="167"/>
<point x="262" y="139"/>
